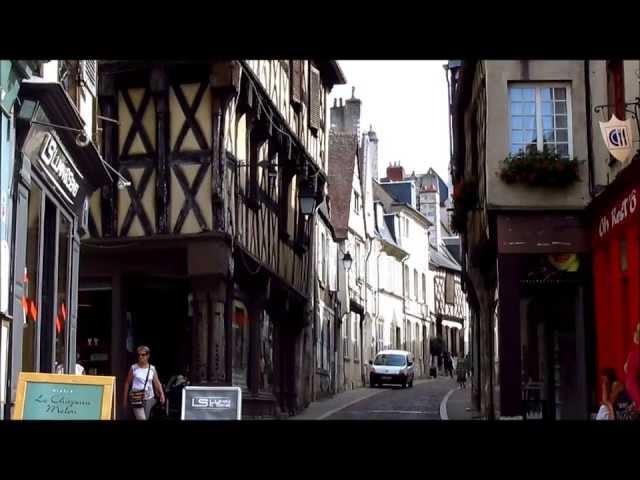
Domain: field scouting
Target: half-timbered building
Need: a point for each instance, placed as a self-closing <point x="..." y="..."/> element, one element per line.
<point x="450" y="311"/>
<point x="206" y="254"/>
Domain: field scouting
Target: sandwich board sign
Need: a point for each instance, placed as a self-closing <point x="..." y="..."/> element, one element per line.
<point x="46" y="396"/>
<point x="211" y="403"/>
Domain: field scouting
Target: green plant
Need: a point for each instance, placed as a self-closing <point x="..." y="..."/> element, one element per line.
<point x="539" y="169"/>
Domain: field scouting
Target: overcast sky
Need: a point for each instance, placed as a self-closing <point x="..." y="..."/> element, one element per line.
<point x="406" y="102"/>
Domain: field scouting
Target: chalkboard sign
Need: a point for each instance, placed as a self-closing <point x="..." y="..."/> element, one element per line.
<point x="45" y="396"/>
<point x="211" y="403"/>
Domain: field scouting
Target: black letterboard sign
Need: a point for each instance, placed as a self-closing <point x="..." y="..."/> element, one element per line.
<point x="50" y="157"/>
<point x="211" y="403"/>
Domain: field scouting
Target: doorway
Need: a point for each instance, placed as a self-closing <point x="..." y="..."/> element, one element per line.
<point x="551" y="352"/>
<point x="94" y="331"/>
<point x="157" y="315"/>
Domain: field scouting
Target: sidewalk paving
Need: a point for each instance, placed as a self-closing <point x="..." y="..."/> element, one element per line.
<point x="458" y="406"/>
<point x="327" y="407"/>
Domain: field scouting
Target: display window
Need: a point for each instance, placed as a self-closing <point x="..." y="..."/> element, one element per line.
<point x="45" y="303"/>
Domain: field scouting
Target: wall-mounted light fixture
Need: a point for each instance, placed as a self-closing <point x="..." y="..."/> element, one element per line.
<point x="347" y="261"/>
<point x="28" y="112"/>
<point x="307" y="197"/>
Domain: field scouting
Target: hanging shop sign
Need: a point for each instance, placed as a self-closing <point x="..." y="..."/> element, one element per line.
<point x="51" y="158"/>
<point x="618" y="136"/>
<point x="211" y="403"/>
<point x="45" y="396"/>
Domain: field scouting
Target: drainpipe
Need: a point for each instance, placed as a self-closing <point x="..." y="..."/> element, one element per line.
<point x="404" y="297"/>
<point x="590" y="162"/>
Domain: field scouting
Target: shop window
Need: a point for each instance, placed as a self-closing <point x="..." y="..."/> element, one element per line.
<point x="240" y="345"/>
<point x="266" y="354"/>
<point x="49" y="289"/>
<point x="30" y="301"/>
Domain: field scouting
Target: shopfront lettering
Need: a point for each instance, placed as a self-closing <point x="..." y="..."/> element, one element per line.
<point x="54" y="158"/>
<point x="619" y="212"/>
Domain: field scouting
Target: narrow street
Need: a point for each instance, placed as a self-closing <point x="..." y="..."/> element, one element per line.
<point x="422" y="402"/>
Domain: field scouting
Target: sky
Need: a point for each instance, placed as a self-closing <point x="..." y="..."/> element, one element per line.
<point x="406" y="103"/>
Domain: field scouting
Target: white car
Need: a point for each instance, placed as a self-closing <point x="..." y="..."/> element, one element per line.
<point x="392" y="366"/>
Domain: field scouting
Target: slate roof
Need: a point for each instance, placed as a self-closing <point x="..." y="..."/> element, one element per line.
<point x="443" y="260"/>
<point x="381" y="195"/>
<point x="343" y="149"/>
<point x="400" y="191"/>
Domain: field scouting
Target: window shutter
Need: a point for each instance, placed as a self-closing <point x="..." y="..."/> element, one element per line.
<point x="89" y="75"/>
<point x="314" y="98"/>
<point x="296" y="81"/>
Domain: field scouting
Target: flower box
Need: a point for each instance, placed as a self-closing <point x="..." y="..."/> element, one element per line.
<point x="539" y="169"/>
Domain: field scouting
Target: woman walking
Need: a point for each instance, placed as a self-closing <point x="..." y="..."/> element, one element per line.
<point x="142" y="386"/>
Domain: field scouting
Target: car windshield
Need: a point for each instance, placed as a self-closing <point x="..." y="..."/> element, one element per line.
<point x="389" y="360"/>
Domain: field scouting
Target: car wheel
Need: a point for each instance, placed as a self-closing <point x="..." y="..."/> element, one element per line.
<point x="411" y="383"/>
<point x="404" y="384"/>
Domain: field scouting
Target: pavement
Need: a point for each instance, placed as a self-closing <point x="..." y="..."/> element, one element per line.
<point x="457" y="406"/>
<point x="429" y="399"/>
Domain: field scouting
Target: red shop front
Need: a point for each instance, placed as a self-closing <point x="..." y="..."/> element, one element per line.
<point x="616" y="268"/>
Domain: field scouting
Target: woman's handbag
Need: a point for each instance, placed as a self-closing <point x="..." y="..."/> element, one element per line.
<point x="136" y="397"/>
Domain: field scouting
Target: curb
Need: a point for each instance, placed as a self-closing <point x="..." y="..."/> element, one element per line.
<point x="443" y="404"/>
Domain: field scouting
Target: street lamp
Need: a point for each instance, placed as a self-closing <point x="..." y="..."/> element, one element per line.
<point x="347" y="261"/>
<point x="307" y="198"/>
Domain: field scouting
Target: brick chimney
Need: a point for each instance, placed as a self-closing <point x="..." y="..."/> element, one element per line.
<point x="395" y="172"/>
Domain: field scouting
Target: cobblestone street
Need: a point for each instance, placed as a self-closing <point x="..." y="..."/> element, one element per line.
<point x="422" y="402"/>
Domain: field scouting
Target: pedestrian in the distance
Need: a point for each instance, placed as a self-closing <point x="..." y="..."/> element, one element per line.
<point x="461" y="373"/>
<point x="467" y="364"/>
<point x="448" y="364"/>
<point x="142" y="386"/>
